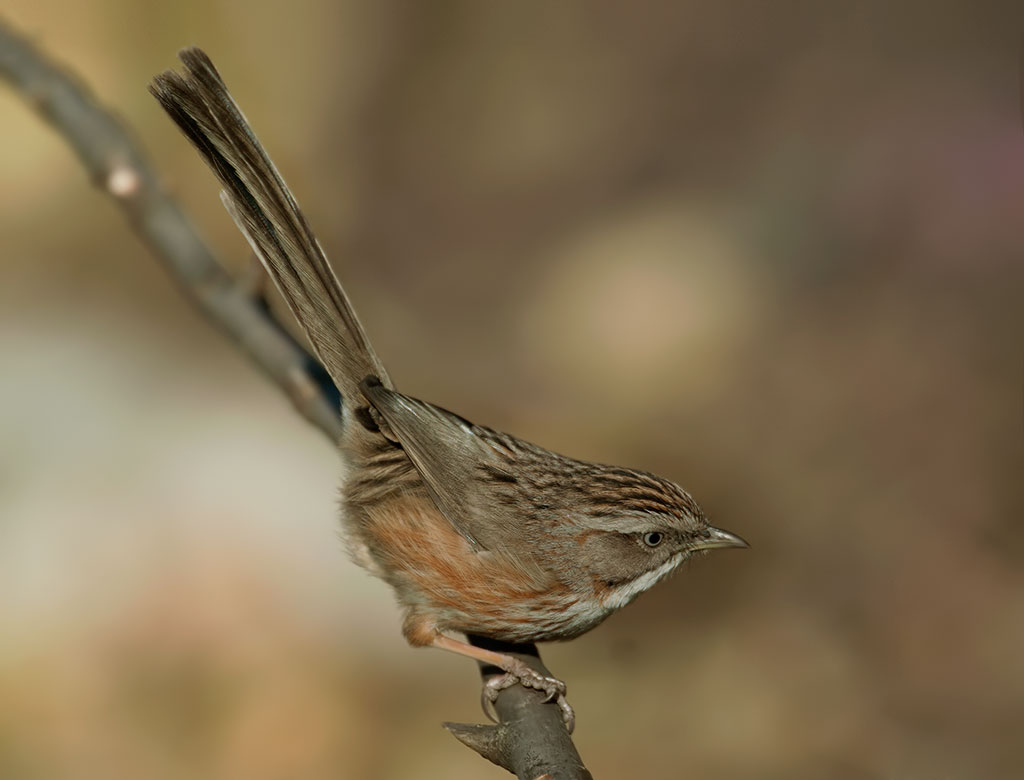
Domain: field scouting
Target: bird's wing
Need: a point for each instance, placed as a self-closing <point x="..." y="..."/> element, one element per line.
<point x="456" y="463"/>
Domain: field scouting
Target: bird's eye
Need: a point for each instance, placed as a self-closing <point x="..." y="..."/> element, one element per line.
<point x="653" y="538"/>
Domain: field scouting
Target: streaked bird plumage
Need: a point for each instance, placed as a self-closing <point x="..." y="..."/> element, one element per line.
<point x="477" y="531"/>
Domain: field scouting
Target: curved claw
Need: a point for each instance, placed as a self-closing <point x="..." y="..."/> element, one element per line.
<point x="568" y="716"/>
<point x="487" y="704"/>
<point x="553" y="689"/>
<point x="489" y="693"/>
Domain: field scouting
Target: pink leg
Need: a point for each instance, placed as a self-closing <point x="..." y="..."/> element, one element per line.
<point x="515" y="672"/>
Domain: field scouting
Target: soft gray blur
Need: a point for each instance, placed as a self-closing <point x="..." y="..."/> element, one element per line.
<point x="769" y="250"/>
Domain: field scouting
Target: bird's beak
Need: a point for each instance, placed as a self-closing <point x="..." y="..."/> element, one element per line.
<point x="716" y="537"/>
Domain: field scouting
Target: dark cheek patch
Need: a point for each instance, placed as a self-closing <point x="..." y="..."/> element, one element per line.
<point x="612" y="559"/>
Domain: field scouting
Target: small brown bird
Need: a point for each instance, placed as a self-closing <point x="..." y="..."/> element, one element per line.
<point x="477" y="531"/>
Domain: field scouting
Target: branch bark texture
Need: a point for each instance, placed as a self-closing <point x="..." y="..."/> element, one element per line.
<point x="530" y="741"/>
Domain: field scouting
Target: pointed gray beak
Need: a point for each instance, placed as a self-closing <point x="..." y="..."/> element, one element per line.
<point x="716" y="537"/>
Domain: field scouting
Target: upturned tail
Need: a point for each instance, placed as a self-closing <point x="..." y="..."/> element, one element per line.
<point x="266" y="212"/>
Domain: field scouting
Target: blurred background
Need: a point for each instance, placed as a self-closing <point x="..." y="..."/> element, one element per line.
<point x="771" y="251"/>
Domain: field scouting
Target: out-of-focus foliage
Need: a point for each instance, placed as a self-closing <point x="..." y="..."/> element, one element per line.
<point x="772" y="251"/>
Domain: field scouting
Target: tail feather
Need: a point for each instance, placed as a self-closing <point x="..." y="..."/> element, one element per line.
<point x="265" y="211"/>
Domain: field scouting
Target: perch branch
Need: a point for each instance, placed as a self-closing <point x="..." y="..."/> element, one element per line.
<point x="530" y="741"/>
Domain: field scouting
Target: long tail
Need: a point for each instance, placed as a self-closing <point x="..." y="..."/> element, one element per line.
<point x="264" y="210"/>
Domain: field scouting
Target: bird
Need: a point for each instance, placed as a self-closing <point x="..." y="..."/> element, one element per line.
<point x="476" y="531"/>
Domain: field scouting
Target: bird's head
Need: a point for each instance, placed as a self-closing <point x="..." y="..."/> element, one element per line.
<point x="637" y="529"/>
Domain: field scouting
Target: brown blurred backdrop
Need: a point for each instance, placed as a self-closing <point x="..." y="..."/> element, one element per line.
<point x="770" y="250"/>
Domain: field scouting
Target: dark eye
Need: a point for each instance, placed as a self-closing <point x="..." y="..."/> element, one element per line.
<point x="653" y="538"/>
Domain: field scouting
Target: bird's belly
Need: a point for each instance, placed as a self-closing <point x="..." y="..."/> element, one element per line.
<point x="437" y="575"/>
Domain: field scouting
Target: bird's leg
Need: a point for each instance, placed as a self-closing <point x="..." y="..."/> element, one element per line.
<point x="515" y="672"/>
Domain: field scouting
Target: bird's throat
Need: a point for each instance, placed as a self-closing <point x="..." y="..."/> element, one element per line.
<point x="621" y="595"/>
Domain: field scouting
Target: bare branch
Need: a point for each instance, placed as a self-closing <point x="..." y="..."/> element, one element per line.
<point x="118" y="166"/>
<point x="531" y="741"/>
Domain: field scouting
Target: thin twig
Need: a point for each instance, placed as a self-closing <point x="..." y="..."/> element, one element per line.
<point x="118" y="167"/>
<point x="531" y="741"/>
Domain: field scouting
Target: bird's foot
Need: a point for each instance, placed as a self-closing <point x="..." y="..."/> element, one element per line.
<point x="518" y="672"/>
